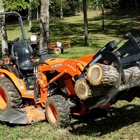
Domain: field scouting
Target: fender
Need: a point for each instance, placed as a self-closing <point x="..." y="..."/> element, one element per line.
<point x="19" y="83"/>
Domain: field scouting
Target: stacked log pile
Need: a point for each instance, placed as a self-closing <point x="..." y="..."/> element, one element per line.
<point x="100" y="78"/>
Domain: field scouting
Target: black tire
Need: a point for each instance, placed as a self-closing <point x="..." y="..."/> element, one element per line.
<point x="9" y="95"/>
<point x="62" y="50"/>
<point x="58" y="111"/>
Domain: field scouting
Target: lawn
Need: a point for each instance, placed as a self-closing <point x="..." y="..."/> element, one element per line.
<point x="124" y="123"/>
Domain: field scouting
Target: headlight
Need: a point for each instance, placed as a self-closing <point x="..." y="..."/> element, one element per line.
<point x="33" y="38"/>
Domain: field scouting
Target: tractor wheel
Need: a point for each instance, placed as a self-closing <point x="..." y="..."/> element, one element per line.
<point x="57" y="50"/>
<point x="57" y="111"/>
<point x="9" y="95"/>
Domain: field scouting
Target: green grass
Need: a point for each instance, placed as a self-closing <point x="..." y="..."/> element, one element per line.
<point x="71" y="28"/>
<point x="125" y="124"/>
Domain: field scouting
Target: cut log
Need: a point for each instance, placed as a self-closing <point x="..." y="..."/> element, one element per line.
<point x="136" y="73"/>
<point x="102" y="74"/>
<point x="82" y="89"/>
<point x="98" y="74"/>
<point x="103" y="77"/>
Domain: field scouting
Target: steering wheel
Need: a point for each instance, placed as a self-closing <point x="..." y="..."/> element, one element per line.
<point x="41" y="52"/>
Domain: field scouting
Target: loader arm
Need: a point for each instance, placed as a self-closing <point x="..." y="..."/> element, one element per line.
<point x="126" y="55"/>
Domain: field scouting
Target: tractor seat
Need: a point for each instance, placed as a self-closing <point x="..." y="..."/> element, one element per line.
<point x="24" y="56"/>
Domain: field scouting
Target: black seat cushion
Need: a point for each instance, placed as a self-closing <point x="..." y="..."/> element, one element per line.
<point x="24" y="56"/>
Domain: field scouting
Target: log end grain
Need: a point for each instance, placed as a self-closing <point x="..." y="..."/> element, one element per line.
<point x="95" y="74"/>
<point x="82" y="89"/>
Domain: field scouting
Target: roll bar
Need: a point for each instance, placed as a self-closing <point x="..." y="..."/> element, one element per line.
<point x="20" y="22"/>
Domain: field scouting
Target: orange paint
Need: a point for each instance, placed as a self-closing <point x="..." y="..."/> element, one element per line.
<point x="69" y="86"/>
<point x="19" y="83"/>
<point x="43" y="88"/>
<point x="52" y="113"/>
<point x="34" y="114"/>
<point x="3" y="101"/>
<point x="30" y="96"/>
<point x="105" y="106"/>
<point x="57" y="77"/>
<point x="87" y="58"/>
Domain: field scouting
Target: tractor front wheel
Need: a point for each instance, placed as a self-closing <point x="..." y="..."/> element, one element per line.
<point x="57" y="111"/>
<point x="9" y="95"/>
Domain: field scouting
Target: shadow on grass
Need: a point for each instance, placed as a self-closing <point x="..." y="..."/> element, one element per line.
<point x="117" y="23"/>
<point x="123" y="117"/>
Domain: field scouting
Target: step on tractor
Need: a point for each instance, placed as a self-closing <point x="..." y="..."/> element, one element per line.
<point x="55" y="89"/>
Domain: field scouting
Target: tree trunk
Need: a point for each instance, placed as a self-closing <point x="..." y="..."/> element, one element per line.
<point x="29" y="18"/>
<point x="37" y="14"/>
<point x="103" y="16"/>
<point x="3" y="31"/>
<point x="85" y="22"/>
<point x="61" y="10"/>
<point x="44" y="24"/>
<point x="97" y="4"/>
<point x="136" y="5"/>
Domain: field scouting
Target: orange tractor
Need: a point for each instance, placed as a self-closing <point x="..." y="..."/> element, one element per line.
<point x="54" y="89"/>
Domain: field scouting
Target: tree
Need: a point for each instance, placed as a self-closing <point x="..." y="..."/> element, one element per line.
<point x="32" y="4"/>
<point x="102" y="7"/>
<point x="44" y="19"/>
<point x="85" y="22"/>
<point x="15" y="4"/>
<point x="63" y="7"/>
<point x="9" y="5"/>
<point x="22" y="4"/>
<point x="44" y="24"/>
<point x="3" y="30"/>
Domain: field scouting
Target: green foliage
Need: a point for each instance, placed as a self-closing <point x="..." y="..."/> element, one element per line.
<point x="69" y="7"/>
<point x="20" y="4"/>
<point x="15" y="4"/>
<point x="97" y="3"/>
<point x="33" y="4"/>
<point x="114" y="4"/>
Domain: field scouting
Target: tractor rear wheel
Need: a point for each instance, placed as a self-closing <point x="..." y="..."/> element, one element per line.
<point x="58" y="111"/>
<point x="9" y="95"/>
